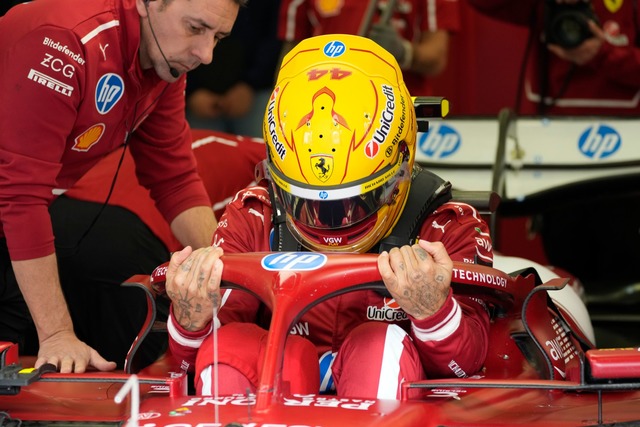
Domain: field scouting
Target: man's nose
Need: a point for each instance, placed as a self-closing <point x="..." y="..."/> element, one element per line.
<point x="204" y="51"/>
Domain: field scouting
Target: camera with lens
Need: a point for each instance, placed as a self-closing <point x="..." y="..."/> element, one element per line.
<point x="567" y="24"/>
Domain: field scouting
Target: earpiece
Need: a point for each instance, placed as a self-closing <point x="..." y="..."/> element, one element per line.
<point x="174" y="73"/>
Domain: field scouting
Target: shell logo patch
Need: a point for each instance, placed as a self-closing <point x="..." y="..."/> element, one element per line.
<point x="89" y="137"/>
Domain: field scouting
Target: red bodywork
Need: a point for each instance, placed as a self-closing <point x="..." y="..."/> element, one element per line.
<point x="540" y="370"/>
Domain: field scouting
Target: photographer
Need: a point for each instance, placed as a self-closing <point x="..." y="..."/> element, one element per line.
<point x="582" y="57"/>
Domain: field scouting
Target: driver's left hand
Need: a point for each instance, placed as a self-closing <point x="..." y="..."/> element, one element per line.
<point x="418" y="277"/>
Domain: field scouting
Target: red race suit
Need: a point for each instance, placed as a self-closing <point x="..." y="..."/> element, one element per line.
<point x="452" y="342"/>
<point x="300" y="19"/>
<point x="72" y="90"/>
<point x="609" y="84"/>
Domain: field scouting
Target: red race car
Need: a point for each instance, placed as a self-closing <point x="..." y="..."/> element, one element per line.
<point x="541" y="369"/>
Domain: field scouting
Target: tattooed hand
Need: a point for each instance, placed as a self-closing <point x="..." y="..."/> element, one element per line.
<point x="193" y="284"/>
<point x="418" y="277"/>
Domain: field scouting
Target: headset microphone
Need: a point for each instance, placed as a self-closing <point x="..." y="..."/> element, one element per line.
<point x="174" y="73"/>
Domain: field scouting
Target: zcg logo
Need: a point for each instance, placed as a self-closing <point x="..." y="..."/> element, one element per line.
<point x="599" y="142"/>
<point x="109" y="90"/>
<point x="293" y="261"/>
<point x="440" y="142"/>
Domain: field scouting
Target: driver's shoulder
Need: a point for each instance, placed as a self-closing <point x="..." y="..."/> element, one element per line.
<point x="251" y="197"/>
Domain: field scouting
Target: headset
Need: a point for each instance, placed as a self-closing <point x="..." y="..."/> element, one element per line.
<point x="174" y="73"/>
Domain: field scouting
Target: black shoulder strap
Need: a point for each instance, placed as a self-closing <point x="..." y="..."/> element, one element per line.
<point x="283" y="240"/>
<point x="428" y="192"/>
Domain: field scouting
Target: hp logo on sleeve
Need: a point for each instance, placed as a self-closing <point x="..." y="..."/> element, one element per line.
<point x="109" y="90"/>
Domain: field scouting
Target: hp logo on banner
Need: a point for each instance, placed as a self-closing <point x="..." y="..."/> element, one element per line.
<point x="599" y="142"/>
<point x="440" y="142"/>
<point x="293" y="261"/>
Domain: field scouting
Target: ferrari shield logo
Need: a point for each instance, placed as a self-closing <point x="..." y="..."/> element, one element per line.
<point x="322" y="167"/>
<point x="613" y="5"/>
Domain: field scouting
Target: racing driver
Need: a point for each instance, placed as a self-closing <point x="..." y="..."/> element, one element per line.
<point x="341" y="139"/>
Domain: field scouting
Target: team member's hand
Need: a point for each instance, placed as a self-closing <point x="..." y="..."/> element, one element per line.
<point x="387" y="37"/>
<point x="204" y="103"/>
<point x="586" y="51"/>
<point x="418" y="277"/>
<point x="237" y="101"/>
<point x="193" y="284"/>
<point x="69" y="354"/>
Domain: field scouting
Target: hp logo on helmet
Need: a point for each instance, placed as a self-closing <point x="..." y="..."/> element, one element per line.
<point x="293" y="261"/>
<point x="599" y="142"/>
<point x="334" y="49"/>
<point x="440" y="142"/>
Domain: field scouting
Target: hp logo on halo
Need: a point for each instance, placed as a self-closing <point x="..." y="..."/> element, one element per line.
<point x="334" y="49"/>
<point x="440" y="142"/>
<point x="109" y="90"/>
<point x="293" y="261"/>
<point x="599" y="142"/>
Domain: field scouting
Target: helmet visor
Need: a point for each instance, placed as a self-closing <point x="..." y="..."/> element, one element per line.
<point x="341" y="206"/>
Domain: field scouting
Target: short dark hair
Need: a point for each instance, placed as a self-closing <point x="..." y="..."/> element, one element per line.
<point x="241" y="3"/>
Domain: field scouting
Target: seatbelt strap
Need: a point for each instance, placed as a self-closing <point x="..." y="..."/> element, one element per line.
<point x="427" y="193"/>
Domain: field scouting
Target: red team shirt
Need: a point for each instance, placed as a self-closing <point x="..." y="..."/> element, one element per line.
<point x="451" y="342"/>
<point x="607" y="85"/>
<point x="72" y="89"/>
<point x="300" y="19"/>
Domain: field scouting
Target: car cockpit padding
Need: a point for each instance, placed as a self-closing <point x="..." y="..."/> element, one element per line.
<point x="550" y="333"/>
<point x="133" y="362"/>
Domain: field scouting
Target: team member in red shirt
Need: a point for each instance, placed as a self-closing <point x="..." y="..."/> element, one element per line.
<point x="600" y="75"/>
<point x="341" y="132"/>
<point x="78" y="80"/>
<point x="417" y="34"/>
<point x="131" y="237"/>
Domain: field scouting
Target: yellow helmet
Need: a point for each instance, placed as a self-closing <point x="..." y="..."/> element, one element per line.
<point x="340" y="128"/>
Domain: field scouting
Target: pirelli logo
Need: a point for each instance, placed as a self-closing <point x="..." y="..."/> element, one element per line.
<point x="50" y="82"/>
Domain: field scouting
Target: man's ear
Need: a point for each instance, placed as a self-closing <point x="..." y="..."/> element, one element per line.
<point x="143" y="7"/>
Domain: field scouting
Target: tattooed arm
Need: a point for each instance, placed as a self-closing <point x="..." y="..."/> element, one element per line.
<point x="450" y="332"/>
<point x="193" y="284"/>
<point x="418" y="277"/>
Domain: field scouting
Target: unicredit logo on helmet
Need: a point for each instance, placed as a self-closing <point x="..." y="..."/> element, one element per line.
<point x="271" y="122"/>
<point x="381" y="133"/>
